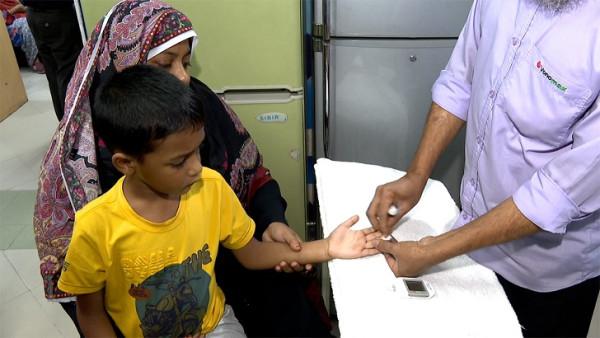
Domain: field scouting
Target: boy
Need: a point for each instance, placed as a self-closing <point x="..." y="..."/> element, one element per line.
<point x="144" y="251"/>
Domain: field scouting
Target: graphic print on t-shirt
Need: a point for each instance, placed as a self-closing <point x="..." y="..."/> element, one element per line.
<point x="173" y="301"/>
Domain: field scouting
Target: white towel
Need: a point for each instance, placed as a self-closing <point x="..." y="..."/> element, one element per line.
<point x="371" y="302"/>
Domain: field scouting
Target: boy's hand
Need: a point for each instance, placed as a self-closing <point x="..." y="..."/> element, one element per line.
<point x="346" y="243"/>
<point x="281" y="233"/>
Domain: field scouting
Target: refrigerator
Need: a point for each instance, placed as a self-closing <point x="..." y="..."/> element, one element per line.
<point x="375" y="63"/>
<point x="250" y="53"/>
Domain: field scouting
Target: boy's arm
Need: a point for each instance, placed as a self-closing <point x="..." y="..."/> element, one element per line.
<point x="92" y="316"/>
<point x="342" y="243"/>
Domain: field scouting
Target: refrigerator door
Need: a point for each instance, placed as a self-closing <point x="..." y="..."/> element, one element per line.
<point x="246" y="44"/>
<point x="276" y="123"/>
<point x="397" y="18"/>
<point x="241" y="44"/>
<point x="380" y="93"/>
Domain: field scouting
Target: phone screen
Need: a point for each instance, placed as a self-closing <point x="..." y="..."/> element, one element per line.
<point x="415" y="285"/>
<point x="417" y="288"/>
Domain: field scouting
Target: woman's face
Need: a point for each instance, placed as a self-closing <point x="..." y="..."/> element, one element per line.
<point x="175" y="60"/>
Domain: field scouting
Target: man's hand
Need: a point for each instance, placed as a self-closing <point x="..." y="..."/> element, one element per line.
<point x="346" y="243"/>
<point x="281" y="233"/>
<point x="403" y="193"/>
<point x="406" y="259"/>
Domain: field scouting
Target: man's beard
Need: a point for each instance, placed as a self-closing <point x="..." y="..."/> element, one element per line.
<point x="558" y="6"/>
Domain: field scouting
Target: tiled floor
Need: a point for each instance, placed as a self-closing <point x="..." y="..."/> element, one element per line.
<point x="24" y="137"/>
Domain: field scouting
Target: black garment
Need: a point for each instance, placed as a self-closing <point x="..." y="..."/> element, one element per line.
<point x="71" y="309"/>
<point x="563" y="313"/>
<point x="56" y="32"/>
<point x="267" y="303"/>
<point x="48" y="3"/>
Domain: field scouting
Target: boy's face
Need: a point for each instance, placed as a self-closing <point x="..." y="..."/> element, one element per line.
<point x="174" y="164"/>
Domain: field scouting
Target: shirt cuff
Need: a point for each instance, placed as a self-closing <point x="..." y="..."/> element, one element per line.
<point x="452" y="94"/>
<point x="544" y="203"/>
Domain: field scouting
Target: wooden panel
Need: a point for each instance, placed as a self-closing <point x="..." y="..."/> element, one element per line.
<point x="12" y="90"/>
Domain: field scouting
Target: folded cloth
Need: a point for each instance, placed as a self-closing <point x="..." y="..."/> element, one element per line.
<point x="371" y="302"/>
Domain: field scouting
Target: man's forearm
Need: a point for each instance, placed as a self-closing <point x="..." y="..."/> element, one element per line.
<point x="266" y="255"/>
<point x="502" y="224"/>
<point x="440" y="129"/>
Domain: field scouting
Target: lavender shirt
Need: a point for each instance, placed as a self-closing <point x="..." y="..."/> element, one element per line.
<point x="527" y="82"/>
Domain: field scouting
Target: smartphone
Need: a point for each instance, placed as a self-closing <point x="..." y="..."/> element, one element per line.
<point x="417" y="288"/>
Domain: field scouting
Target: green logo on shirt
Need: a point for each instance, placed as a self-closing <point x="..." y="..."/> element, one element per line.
<point x="556" y="84"/>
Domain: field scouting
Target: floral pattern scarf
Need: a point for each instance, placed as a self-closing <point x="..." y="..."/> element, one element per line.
<point x="69" y="176"/>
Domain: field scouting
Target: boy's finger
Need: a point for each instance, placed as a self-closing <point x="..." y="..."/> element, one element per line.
<point x="369" y="252"/>
<point x="373" y="235"/>
<point x="350" y="221"/>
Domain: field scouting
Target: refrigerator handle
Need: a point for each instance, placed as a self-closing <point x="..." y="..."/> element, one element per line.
<point x="326" y="88"/>
<point x="326" y="101"/>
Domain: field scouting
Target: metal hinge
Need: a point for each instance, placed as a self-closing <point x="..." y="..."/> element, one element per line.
<point x="318" y="30"/>
<point x="319" y="33"/>
<point x="317" y="45"/>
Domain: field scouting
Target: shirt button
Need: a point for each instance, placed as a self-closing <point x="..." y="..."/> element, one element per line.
<point x="515" y="41"/>
<point x="492" y="94"/>
<point x="472" y="182"/>
<point x="479" y="140"/>
<point x="465" y="216"/>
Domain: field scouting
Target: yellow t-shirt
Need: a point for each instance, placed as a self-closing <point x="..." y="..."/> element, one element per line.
<point x="158" y="277"/>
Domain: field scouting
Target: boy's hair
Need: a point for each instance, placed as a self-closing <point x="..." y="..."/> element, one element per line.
<point x="140" y="105"/>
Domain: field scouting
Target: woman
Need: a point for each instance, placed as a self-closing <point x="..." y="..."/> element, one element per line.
<point x="76" y="168"/>
<point x="15" y="18"/>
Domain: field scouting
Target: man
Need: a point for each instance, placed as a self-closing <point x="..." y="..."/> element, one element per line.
<point x="524" y="78"/>
<point x="58" y="38"/>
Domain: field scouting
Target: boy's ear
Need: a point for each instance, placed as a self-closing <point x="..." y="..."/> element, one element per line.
<point x="124" y="163"/>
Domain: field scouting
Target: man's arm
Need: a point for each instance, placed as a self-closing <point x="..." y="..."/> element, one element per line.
<point x="404" y="193"/>
<point x="440" y="129"/>
<point x="342" y="243"/>
<point x="502" y="224"/>
<point x="452" y="91"/>
<point x="92" y="316"/>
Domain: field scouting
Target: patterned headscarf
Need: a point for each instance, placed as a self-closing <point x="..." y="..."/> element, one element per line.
<point x="131" y="33"/>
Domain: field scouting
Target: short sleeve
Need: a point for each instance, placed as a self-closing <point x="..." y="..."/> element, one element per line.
<point x="237" y="228"/>
<point x="84" y="270"/>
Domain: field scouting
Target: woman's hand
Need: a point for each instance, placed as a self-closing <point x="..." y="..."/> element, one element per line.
<point x="281" y="233"/>
<point x="346" y="243"/>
